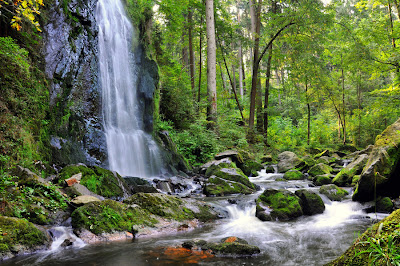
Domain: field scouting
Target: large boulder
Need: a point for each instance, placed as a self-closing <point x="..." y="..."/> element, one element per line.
<point x="311" y="203"/>
<point x="333" y="192"/>
<point x="279" y="204"/>
<point x="381" y="173"/>
<point x="20" y="237"/>
<point x="228" y="181"/>
<point x="100" y="181"/>
<point x="137" y="185"/>
<point x="287" y="160"/>
<point x="320" y="169"/>
<point x="345" y="176"/>
<point x="320" y="180"/>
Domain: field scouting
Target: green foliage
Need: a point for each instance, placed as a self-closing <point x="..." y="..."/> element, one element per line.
<point x="30" y="199"/>
<point x="23" y="107"/>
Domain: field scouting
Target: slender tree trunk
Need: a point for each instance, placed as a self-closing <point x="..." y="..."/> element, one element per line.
<point x="200" y="64"/>
<point x="222" y="76"/>
<point x="240" y="56"/>
<point x="243" y="74"/>
<point x="191" y="53"/>
<point x="266" y="96"/>
<point x="256" y="26"/>
<point x="308" y="115"/>
<point x="211" y="63"/>
<point x="344" y="108"/>
<point x="359" y="109"/>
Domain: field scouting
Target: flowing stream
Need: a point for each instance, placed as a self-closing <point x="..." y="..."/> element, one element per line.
<point x="131" y="151"/>
<point x="308" y="240"/>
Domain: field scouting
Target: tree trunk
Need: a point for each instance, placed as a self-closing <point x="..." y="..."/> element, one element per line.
<point x="211" y="63"/>
<point x="266" y="96"/>
<point x="255" y="26"/>
<point x="359" y="109"/>
<point x="240" y="57"/>
<point x="200" y="65"/>
<point x="308" y="115"/>
<point x="344" y="108"/>
<point x="191" y="52"/>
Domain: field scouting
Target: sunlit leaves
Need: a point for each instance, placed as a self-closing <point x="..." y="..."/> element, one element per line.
<point x="23" y="10"/>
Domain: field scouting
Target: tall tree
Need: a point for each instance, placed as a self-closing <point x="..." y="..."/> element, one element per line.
<point x="211" y="63"/>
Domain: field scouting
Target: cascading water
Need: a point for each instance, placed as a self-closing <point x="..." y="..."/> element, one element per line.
<point x="131" y="151"/>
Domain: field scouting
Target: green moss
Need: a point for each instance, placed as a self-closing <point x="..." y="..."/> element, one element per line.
<point x="110" y="216"/>
<point x="293" y="175"/>
<point x="320" y="180"/>
<point x="251" y="167"/>
<point x="98" y="180"/>
<point x="345" y="177"/>
<point x="14" y="231"/>
<point x="233" y="248"/>
<point x="284" y="204"/>
<point x="162" y="205"/>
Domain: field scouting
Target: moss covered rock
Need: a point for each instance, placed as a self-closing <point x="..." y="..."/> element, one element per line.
<point x="172" y="207"/>
<point x="250" y="167"/>
<point x="320" y="180"/>
<point x="233" y="249"/>
<point x="98" y="180"/>
<point x="18" y="236"/>
<point x="110" y="216"/>
<point x="333" y="192"/>
<point x="320" y="169"/>
<point x="293" y="175"/>
<point x="379" y="235"/>
<point x="384" y="205"/>
<point x="226" y="181"/>
<point x="279" y="204"/>
<point x="345" y="176"/>
<point x="383" y="168"/>
<point x="311" y="203"/>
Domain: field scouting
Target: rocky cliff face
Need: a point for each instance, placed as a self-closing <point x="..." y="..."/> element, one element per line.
<point x="71" y="53"/>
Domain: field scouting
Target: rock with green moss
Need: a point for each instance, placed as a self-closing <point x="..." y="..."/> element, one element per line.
<point x="381" y="172"/>
<point x="98" y="180"/>
<point x="333" y="192"/>
<point x="375" y="239"/>
<point x="172" y="207"/>
<point x="308" y="161"/>
<point x="325" y="179"/>
<point x="345" y="176"/>
<point x="210" y="167"/>
<point x="234" y="249"/>
<point x="250" y="167"/>
<point x="293" y="175"/>
<point x="110" y="216"/>
<point x="18" y="236"/>
<point x="234" y="156"/>
<point x="227" y="181"/>
<point x="384" y="205"/>
<point x="311" y="203"/>
<point x="279" y="204"/>
<point x="269" y="169"/>
<point x="320" y="169"/>
<point x="287" y="160"/>
<point x="137" y="185"/>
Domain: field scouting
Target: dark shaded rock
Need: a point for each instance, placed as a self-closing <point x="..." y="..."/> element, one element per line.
<point x="67" y="243"/>
<point x="280" y="205"/>
<point x="384" y="205"/>
<point x="233" y="249"/>
<point x="267" y="159"/>
<point x="269" y="169"/>
<point x="287" y="160"/>
<point x="333" y="192"/>
<point x="170" y="153"/>
<point x="137" y="185"/>
<point x="311" y="203"/>
<point x="383" y="168"/>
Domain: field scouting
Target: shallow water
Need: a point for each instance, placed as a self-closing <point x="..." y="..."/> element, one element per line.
<point x="309" y="240"/>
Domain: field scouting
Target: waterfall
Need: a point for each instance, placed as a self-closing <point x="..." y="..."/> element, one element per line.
<point x="131" y="151"/>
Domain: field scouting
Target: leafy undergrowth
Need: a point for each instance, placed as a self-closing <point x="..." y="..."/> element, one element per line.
<point x="29" y="199"/>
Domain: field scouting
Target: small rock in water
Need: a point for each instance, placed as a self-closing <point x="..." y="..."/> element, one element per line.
<point x="67" y="242"/>
<point x="233" y="201"/>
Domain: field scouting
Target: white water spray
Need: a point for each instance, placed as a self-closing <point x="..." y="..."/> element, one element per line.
<point x="131" y="152"/>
